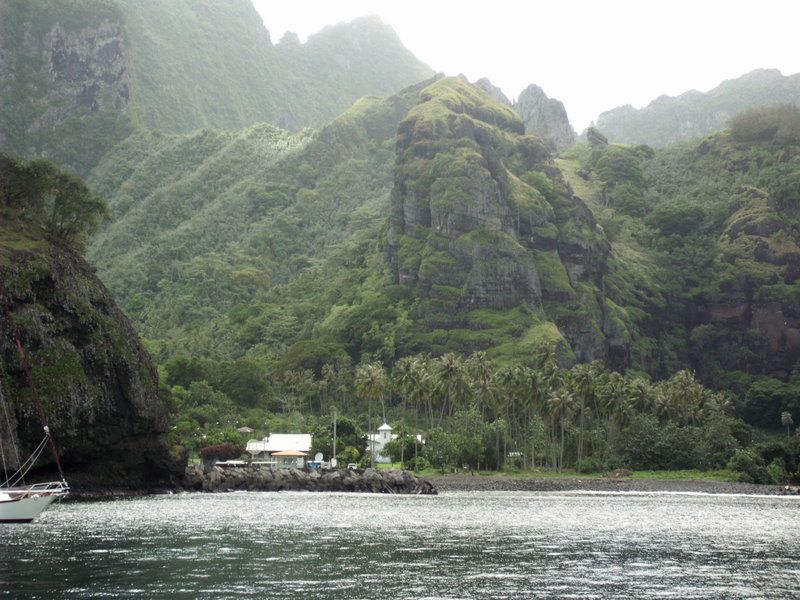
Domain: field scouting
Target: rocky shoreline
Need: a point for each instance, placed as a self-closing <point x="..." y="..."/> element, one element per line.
<point x="268" y="479"/>
<point x="502" y="483"/>
<point x="404" y="482"/>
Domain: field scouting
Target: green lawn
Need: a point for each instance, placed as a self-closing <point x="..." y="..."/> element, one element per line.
<point x="686" y="474"/>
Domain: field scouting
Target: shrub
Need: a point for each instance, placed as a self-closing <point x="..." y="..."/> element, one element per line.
<point x="540" y="182"/>
<point x="225" y="451"/>
<point x="416" y="464"/>
<point x="780" y="123"/>
<point x="349" y="455"/>
<point x="777" y="471"/>
<point x="647" y="444"/>
<point x="589" y="465"/>
<point x="750" y="466"/>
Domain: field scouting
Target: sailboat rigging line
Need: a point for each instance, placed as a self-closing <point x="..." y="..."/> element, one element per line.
<point x="27" y="368"/>
<point x="19" y="475"/>
<point x="10" y="433"/>
<point x="38" y="403"/>
<point x="3" y="457"/>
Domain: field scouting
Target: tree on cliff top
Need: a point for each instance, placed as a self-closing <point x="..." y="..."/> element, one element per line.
<point x="59" y="202"/>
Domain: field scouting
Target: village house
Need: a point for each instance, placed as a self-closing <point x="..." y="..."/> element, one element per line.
<point x="283" y="450"/>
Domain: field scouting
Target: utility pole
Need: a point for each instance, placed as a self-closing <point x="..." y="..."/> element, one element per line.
<point x="334" y="433"/>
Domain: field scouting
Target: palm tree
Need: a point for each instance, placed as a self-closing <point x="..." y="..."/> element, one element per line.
<point x="480" y="370"/>
<point x="561" y="405"/>
<point x="420" y="390"/>
<point x="583" y="377"/>
<point x="403" y="377"/>
<point x="505" y="382"/>
<point x="371" y="384"/>
<point x="786" y="420"/>
<point x="451" y="380"/>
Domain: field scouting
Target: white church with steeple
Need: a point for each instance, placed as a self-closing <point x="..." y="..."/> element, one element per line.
<point x="376" y="442"/>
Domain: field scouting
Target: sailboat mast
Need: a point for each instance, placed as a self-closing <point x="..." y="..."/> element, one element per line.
<point x="26" y="367"/>
<point x="38" y="403"/>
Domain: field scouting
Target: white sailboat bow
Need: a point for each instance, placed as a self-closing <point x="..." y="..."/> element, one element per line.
<point x="20" y="502"/>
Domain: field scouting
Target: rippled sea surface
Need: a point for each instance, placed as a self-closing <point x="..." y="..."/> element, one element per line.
<point x="456" y="545"/>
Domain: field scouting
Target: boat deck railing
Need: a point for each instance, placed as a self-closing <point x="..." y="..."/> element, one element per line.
<point x="50" y="487"/>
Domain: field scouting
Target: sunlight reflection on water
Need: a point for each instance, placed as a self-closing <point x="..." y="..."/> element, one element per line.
<point x="456" y="545"/>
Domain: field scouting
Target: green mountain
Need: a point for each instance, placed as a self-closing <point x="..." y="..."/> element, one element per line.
<point x="488" y="248"/>
<point x="261" y="259"/>
<point x="694" y="114"/>
<point x="78" y="77"/>
<point x="252" y="211"/>
<point x="611" y="252"/>
<point x="260" y="265"/>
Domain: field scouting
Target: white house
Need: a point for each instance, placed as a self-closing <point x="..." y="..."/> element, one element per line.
<point x="282" y="449"/>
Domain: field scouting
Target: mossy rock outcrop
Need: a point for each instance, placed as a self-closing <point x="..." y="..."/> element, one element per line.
<point x="483" y="219"/>
<point x="749" y="313"/>
<point x="96" y="381"/>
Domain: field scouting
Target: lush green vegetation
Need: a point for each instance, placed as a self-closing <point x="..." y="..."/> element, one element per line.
<point x="254" y="264"/>
<point x="475" y="414"/>
<point x="275" y="276"/>
<point x="60" y="203"/>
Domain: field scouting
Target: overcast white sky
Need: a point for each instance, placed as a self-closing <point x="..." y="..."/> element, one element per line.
<point x="591" y="55"/>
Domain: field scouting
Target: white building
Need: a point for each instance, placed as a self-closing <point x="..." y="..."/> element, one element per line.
<point x="282" y="449"/>
<point x="376" y="442"/>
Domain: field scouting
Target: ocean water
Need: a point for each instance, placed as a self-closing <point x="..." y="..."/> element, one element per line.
<point x="456" y="545"/>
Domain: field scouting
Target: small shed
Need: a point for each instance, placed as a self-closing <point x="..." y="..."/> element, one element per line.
<point x="289" y="459"/>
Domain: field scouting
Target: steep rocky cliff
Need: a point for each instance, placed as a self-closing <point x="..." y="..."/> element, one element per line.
<point x="483" y="221"/>
<point x="545" y="117"/>
<point x="494" y="91"/>
<point x="64" y="80"/>
<point x="96" y="381"/>
<point x="78" y="77"/>
<point x="748" y="315"/>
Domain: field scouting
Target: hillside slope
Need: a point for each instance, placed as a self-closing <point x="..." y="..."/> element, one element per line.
<point x="694" y="114"/>
<point x="294" y="227"/>
<point x="248" y="210"/>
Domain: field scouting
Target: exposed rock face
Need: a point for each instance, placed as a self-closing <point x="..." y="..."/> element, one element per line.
<point x="494" y="91"/>
<point x="545" y="117"/>
<point x="752" y="303"/>
<point x="89" y="69"/>
<point x="668" y="119"/>
<point x="268" y="479"/>
<point x="482" y="219"/>
<point x="65" y="81"/>
<point x="96" y="381"/>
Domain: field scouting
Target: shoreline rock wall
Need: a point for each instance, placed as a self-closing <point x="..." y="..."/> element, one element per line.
<point x="269" y="479"/>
